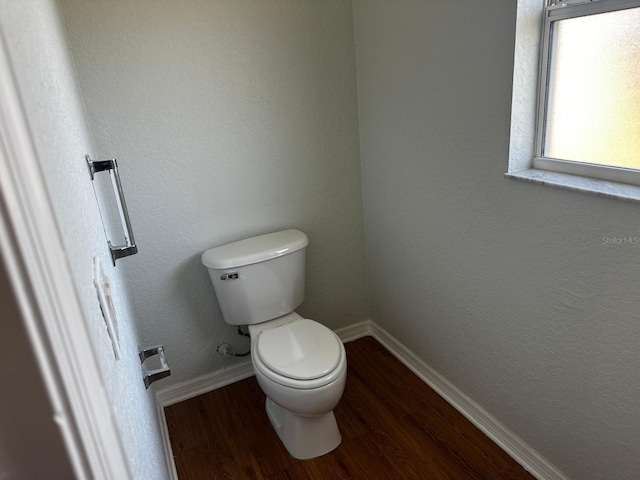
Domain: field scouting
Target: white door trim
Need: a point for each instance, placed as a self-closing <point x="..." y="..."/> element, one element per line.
<point x="37" y="265"/>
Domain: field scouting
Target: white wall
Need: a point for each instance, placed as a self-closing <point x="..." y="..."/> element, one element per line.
<point x="46" y="79"/>
<point x="228" y="119"/>
<point x="505" y="288"/>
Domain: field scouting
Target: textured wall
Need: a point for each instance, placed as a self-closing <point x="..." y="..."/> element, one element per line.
<point x="505" y="288"/>
<point x="44" y="70"/>
<point x="228" y="119"/>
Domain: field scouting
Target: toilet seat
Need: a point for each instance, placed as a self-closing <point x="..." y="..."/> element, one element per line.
<point x="301" y="354"/>
<point x="302" y="350"/>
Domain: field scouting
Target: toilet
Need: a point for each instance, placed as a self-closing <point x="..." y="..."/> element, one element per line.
<point x="300" y="364"/>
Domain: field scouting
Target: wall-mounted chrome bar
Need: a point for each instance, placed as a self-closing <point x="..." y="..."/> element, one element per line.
<point x="129" y="248"/>
<point x="150" y="376"/>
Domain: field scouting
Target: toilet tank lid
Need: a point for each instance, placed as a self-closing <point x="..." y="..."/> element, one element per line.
<point x="254" y="249"/>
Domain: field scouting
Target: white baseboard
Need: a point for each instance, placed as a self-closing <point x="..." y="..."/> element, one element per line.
<point x="516" y="448"/>
<point x="522" y="453"/>
<point x="166" y="443"/>
<point x="355" y="331"/>
<point x="206" y="383"/>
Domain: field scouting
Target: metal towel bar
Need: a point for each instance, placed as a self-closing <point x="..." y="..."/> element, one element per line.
<point x="129" y="248"/>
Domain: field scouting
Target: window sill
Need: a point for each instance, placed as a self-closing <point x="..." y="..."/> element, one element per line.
<point x="591" y="186"/>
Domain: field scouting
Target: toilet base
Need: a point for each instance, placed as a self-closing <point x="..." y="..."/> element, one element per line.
<point x="304" y="437"/>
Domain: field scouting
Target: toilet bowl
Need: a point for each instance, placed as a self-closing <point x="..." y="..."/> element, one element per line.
<point x="301" y="367"/>
<point x="300" y="364"/>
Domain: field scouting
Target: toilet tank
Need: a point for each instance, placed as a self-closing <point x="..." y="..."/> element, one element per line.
<point x="259" y="278"/>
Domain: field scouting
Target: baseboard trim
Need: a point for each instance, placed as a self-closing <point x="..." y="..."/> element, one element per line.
<point x="206" y="383"/>
<point x="515" y="447"/>
<point x="166" y="443"/>
<point x="355" y="331"/>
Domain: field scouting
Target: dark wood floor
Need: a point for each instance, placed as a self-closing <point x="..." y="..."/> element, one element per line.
<point x="393" y="427"/>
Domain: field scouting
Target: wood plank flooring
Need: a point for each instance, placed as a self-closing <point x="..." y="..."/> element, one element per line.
<point x="393" y="427"/>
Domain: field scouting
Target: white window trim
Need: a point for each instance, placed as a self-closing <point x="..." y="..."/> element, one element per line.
<point x="525" y="160"/>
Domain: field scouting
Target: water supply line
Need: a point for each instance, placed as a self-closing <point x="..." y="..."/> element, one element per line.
<point x="224" y="349"/>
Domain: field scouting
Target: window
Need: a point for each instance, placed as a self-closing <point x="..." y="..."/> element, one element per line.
<point x="588" y="112"/>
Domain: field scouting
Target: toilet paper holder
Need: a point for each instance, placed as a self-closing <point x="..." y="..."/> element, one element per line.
<point x="150" y="376"/>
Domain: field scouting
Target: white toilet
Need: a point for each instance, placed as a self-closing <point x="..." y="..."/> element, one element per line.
<point x="300" y="364"/>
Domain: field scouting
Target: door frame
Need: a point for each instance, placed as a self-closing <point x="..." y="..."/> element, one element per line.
<point x="37" y="265"/>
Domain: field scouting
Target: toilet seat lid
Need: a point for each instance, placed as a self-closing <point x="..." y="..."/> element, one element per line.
<point x="302" y="350"/>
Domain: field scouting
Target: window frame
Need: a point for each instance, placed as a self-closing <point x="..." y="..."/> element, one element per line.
<point x="555" y="10"/>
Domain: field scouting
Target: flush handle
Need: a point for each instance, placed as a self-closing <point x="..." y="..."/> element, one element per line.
<point x="229" y="276"/>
